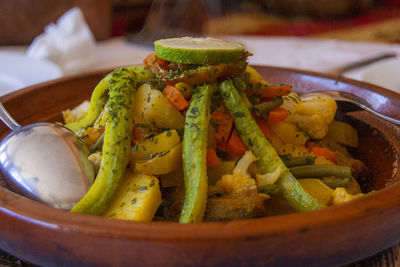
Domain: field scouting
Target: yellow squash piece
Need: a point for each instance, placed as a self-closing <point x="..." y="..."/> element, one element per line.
<point x="318" y="190"/>
<point x="137" y="198"/>
<point x="289" y="133"/>
<point x="162" y="164"/>
<point x="160" y="143"/>
<point x="152" y="108"/>
<point x="255" y="77"/>
<point x="343" y="133"/>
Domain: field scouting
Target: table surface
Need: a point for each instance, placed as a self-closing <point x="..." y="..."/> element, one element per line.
<point x="320" y="55"/>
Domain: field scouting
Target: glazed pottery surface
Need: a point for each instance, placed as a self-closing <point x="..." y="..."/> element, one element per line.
<point x="331" y="236"/>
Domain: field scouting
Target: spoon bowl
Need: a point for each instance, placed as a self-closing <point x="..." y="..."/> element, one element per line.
<point x="45" y="162"/>
<point x="351" y="103"/>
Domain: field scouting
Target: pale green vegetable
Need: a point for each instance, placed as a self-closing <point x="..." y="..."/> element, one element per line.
<point x="153" y="109"/>
<point x="195" y="155"/>
<point x="100" y="95"/>
<point x="268" y="160"/>
<point x="343" y="133"/>
<point x="116" y="147"/>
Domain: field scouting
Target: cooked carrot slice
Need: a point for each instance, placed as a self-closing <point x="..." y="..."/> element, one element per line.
<point x="262" y="124"/>
<point x="162" y="62"/>
<point x="270" y="92"/>
<point x="222" y="122"/>
<point x="325" y="152"/>
<point x="212" y="158"/>
<point x="175" y="97"/>
<point x="277" y="115"/>
<point x="310" y="145"/>
<point x="235" y="146"/>
<point x="150" y="59"/>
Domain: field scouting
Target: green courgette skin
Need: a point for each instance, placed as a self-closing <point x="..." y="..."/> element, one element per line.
<point x="320" y="171"/>
<point x="268" y="160"/>
<point x="100" y="96"/>
<point x="194" y="152"/>
<point x="122" y="85"/>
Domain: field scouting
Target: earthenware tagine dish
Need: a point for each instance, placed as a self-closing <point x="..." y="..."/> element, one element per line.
<point x="332" y="236"/>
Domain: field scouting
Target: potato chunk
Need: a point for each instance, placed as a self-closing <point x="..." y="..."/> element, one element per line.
<point x="152" y="108"/>
<point x="137" y="199"/>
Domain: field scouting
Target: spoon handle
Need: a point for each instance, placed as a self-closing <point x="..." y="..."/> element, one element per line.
<point x="7" y="119"/>
<point x="364" y="62"/>
<point x="380" y="115"/>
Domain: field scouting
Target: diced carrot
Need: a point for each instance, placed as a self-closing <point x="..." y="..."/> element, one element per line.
<point x="175" y="97"/>
<point x="150" y="59"/>
<point x="274" y="91"/>
<point x="325" y="152"/>
<point x="222" y="122"/>
<point x="277" y="115"/>
<point x="262" y="124"/>
<point x="270" y="91"/>
<point x="265" y="99"/>
<point x="310" y="145"/>
<point x="139" y="132"/>
<point x="212" y="158"/>
<point x="162" y="62"/>
<point x="235" y="146"/>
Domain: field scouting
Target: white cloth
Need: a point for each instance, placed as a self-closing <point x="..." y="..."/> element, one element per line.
<point x="325" y="55"/>
<point x="320" y="55"/>
<point x="69" y="43"/>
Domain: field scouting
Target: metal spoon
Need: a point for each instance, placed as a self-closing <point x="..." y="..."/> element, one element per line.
<point x="45" y="162"/>
<point x="361" y="63"/>
<point x="354" y="103"/>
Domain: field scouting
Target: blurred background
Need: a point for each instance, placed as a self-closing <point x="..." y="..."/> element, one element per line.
<point x="121" y="27"/>
<point x="367" y="20"/>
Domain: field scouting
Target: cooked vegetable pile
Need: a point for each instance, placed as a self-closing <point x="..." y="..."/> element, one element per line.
<point x="195" y="134"/>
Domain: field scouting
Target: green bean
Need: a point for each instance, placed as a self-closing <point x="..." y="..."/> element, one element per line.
<point x="291" y="161"/>
<point x="195" y="155"/>
<point x="319" y="171"/>
<point x="271" y="189"/>
<point x="334" y="182"/>
<point x="266" y="107"/>
<point x="99" y="96"/>
<point x="116" y="146"/>
<point x="333" y="176"/>
<point x="268" y="160"/>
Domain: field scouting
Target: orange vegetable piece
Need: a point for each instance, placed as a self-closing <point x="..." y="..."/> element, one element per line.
<point x="150" y="59"/>
<point x="325" y="152"/>
<point x="175" y="97"/>
<point x="139" y="132"/>
<point x="270" y="92"/>
<point x="310" y="145"/>
<point x="262" y="124"/>
<point x="212" y="158"/>
<point x="162" y="62"/>
<point x="235" y="146"/>
<point x="277" y="115"/>
<point x="222" y="122"/>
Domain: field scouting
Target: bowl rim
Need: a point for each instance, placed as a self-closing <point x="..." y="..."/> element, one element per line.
<point x="12" y="204"/>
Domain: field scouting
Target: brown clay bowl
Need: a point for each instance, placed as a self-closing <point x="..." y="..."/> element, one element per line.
<point x="331" y="236"/>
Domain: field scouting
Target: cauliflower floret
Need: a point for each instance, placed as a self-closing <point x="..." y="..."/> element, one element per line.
<point x="290" y="102"/>
<point x="239" y="182"/>
<point x="235" y="196"/>
<point x="77" y="113"/>
<point x="340" y="195"/>
<point x="95" y="159"/>
<point x="314" y="116"/>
